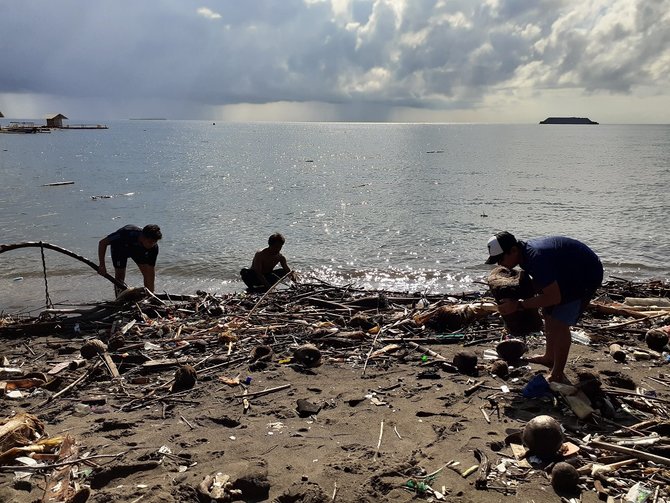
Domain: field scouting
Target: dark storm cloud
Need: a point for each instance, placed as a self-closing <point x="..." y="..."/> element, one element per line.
<point x="420" y="53"/>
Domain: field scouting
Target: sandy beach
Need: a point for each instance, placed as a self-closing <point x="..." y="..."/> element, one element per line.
<point x="391" y="425"/>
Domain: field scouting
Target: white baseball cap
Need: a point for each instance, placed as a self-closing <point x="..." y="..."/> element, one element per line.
<point x="498" y="245"/>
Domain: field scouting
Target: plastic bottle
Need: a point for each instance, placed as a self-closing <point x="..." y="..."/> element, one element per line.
<point x="580" y="337"/>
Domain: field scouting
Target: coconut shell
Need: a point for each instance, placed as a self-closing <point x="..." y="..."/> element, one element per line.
<point x="92" y="347"/>
<point x="543" y="436"/>
<point x="261" y="353"/>
<point x="656" y="339"/>
<point x="465" y="362"/>
<point x="511" y="350"/>
<point x="564" y="478"/>
<point x="307" y="355"/>
<point x="185" y="378"/>
<point x="500" y="369"/>
<point x="590" y="384"/>
<point x="116" y="342"/>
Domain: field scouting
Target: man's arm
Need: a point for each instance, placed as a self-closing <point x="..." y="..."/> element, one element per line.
<point x="287" y="269"/>
<point x="550" y="296"/>
<point x="102" y="249"/>
<point x="149" y="275"/>
<point x="284" y="264"/>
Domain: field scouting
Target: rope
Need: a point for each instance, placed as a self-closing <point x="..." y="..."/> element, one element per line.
<point x="49" y="304"/>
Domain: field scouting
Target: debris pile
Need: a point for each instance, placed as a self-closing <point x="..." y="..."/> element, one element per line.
<point x="605" y="432"/>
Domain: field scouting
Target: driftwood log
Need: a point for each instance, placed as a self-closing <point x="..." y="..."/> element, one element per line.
<point x="506" y="284"/>
<point x="40" y="244"/>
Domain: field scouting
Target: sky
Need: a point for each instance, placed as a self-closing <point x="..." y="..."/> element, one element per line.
<point x="498" y="61"/>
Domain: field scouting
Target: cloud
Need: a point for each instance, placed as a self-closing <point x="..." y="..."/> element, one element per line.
<point x="208" y="13"/>
<point x="378" y="56"/>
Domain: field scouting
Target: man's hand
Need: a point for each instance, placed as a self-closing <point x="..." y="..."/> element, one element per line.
<point x="508" y="306"/>
<point x="102" y="269"/>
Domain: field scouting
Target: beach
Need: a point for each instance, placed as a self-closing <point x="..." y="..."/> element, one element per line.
<point x="376" y="417"/>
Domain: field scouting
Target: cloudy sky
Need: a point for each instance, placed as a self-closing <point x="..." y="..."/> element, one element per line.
<point x="337" y="60"/>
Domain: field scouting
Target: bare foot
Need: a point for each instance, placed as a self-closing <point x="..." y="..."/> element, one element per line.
<point x="558" y="378"/>
<point x="540" y="360"/>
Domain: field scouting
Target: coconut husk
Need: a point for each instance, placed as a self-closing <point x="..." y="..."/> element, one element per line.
<point x="506" y="284"/>
<point x="500" y="369"/>
<point x="92" y="348"/>
<point x="466" y="362"/>
<point x="564" y="478"/>
<point x="261" y="353"/>
<point x="452" y="317"/>
<point x="185" y="378"/>
<point x="657" y="339"/>
<point x="22" y="429"/>
<point x="543" y="436"/>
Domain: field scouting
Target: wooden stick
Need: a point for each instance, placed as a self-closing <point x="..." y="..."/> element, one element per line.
<point x="57" y="465"/>
<point x="631" y="452"/>
<point x="379" y="443"/>
<point x="186" y="421"/>
<point x="263" y="392"/>
<point x="365" y="365"/>
<point x="474" y="388"/>
<point x="266" y="294"/>
<point x="71" y="385"/>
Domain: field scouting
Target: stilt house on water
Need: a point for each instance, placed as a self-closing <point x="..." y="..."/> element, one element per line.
<point x="55" y="121"/>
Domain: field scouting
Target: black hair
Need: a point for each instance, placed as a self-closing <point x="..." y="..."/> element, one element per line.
<point x="152" y="231"/>
<point x="276" y="238"/>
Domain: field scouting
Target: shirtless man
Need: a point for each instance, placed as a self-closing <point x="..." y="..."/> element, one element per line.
<point x="262" y="274"/>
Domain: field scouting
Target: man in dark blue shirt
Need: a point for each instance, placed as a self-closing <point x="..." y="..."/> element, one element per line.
<point x="130" y="241"/>
<point x="566" y="274"/>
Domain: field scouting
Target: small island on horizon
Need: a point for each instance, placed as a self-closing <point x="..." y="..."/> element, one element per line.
<point x="567" y="120"/>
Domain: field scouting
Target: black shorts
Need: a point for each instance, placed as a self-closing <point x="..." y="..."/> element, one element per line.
<point x="120" y="258"/>
<point x="251" y="279"/>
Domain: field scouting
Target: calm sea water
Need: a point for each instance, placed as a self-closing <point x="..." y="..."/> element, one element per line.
<point x="405" y="207"/>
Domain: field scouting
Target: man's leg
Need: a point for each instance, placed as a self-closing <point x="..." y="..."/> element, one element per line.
<point x="547" y="359"/>
<point x="559" y="334"/>
<point x="251" y="279"/>
<point x="119" y="274"/>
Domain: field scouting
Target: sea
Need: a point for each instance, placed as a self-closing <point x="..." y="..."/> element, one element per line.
<point x="401" y="207"/>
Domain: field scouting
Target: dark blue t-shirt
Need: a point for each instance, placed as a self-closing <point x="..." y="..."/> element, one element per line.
<point x="571" y="263"/>
<point x="125" y="244"/>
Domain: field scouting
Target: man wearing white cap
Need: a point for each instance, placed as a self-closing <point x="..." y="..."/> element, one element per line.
<point x="566" y="274"/>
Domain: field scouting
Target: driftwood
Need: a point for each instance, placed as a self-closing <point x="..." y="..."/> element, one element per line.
<point x="217" y="336"/>
<point x="631" y="452"/>
<point x="40" y="244"/>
